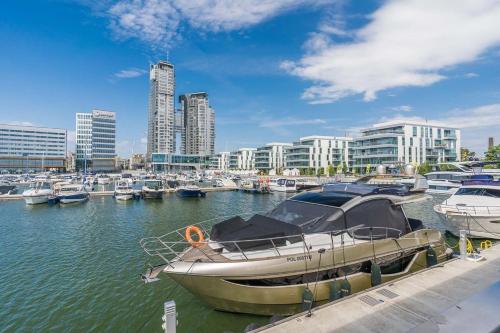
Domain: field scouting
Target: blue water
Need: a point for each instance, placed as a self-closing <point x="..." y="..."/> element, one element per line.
<point x="76" y="268"/>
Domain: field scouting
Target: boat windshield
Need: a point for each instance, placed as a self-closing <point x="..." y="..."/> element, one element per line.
<point x="69" y="189"/>
<point x="487" y="192"/>
<point x="156" y="184"/>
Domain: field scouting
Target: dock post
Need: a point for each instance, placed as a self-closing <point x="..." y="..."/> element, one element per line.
<point x="169" y="317"/>
<point x="463" y="244"/>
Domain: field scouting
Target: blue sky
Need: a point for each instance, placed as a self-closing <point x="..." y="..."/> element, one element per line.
<point x="274" y="70"/>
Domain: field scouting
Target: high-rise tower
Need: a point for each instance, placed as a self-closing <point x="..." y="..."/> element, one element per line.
<point x="198" y="136"/>
<point x="161" y="113"/>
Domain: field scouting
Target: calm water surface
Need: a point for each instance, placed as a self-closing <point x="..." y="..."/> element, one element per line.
<point x="76" y="268"/>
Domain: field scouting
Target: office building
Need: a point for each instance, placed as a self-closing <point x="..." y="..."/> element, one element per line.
<point x="318" y="153"/>
<point x="271" y="156"/>
<point x="198" y="132"/>
<point x="161" y="162"/>
<point x="491" y="143"/>
<point x="161" y="112"/>
<point x="95" y="141"/>
<point x="396" y="144"/>
<point x="29" y="148"/>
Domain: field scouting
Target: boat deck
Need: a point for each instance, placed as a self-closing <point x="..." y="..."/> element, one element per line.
<point x="459" y="295"/>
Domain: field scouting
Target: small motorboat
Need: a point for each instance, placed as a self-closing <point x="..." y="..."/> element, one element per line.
<point x="284" y="185"/>
<point x="38" y="193"/>
<point x="6" y="187"/>
<point x="72" y="194"/>
<point x="123" y="191"/>
<point x="153" y="189"/>
<point x="255" y="186"/>
<point x="190" y="191"/>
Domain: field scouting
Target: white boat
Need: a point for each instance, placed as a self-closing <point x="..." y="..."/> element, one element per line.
<point x="283" y="185"/>
<point x="475" y="207"/>
<point x="446" y="182"/>
<point x="38" y="193"/>
<point x="72" y="194"/>
<point x="103" y="180"/>
<point x="123" y="190"/>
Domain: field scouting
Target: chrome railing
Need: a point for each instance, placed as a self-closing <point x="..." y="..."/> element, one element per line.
<point x="172" y="246"/>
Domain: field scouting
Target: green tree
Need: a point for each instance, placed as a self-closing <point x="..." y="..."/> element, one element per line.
<point x="424" y="168"/>
<point x="493" y="155"/>
<point x="331" y="170"/>
<point x="466" y="154"/>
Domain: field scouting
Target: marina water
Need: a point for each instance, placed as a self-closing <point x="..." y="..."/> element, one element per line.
<point x="76" y="267"/>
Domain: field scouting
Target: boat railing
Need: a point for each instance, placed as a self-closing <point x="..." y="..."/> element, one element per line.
<point x="463" y="209"/>
<point x="172" y="246"/>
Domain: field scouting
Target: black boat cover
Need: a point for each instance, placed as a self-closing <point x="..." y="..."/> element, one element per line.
<point x="247" y="235"/>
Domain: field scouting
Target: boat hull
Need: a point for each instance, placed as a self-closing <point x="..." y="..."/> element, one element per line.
<point x="124" y="196"/>
<point x="229" y="296"/>
<point x="476" y="226"/>
<point x="152" y="194"/>
<point x="36" y="200"/>
<point x="244" y="286"/>
<point x="72" y="198"/>
<point x="189" y="193"/>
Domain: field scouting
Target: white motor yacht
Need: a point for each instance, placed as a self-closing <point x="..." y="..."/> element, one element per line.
<point x="475" y="207"/>
<point x="103" y="180"/>
<point x="123" y="190"/>
<point x="38" y="193"/>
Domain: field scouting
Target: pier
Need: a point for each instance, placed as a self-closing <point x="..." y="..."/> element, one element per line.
<point x="458" y="295"/>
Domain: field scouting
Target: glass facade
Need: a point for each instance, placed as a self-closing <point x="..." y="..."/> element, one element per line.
<point x="95" y="140"/>
<point x="32" y="147"/>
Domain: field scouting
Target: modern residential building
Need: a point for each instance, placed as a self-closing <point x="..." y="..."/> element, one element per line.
<point x="220" y="161"/>
<point x="161" y="112"/>
<point x="71" y="162"/>
<point x="27" y="148"/>
<point x="271" y="156"/>
<point x="318" y="153"/>
<point x="198" y="132"/>
<point x="399" y="143"/>
<point x="96" y="140"/>
<point x="242" y="159"/>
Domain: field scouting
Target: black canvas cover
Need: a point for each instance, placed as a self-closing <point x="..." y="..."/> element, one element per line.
<point x="380" y="215"/>
<point x="257" y="227"/>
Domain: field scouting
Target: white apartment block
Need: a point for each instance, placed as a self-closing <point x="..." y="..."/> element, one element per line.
<point x="220" y="161"/>
<point x="317" y="152"/>
<point x="242" y="159"/>
<point x="400" y="143"/>
<point x="161" y="112"/>
<point x="271" y="156"/>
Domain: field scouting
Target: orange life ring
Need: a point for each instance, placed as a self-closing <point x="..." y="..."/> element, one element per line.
<point x="198" y="232"/>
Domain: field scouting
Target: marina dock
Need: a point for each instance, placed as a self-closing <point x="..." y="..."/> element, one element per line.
<point x="459" y="295"/>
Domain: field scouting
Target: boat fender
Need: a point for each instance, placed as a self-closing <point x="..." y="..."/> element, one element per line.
<point x="345" y="287"/>
<point x="335" y="292"/>
<point x="431" y="257"/>
<point x="376" y="274"/>
<point x="307" y="299"/>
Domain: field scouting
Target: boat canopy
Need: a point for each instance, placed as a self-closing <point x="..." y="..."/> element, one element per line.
<point x="377" y="218"/>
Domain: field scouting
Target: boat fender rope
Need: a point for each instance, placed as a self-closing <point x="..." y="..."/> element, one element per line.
<point x="307" y="299"/>
<point x="376" y="274"/>
<point x="431" y="257"/>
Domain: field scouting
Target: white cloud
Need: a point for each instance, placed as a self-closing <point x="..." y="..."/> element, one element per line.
<point x="129" y="73"/>
<point x="158" y="22"/>
<point x="477" y="124"/>
<point x="471" y="75"/>
<point x="402" y="108"/>
<point x="406" y="43"/>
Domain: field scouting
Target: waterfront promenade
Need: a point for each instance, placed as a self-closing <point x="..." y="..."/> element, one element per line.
<point x="458" y="295"/>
